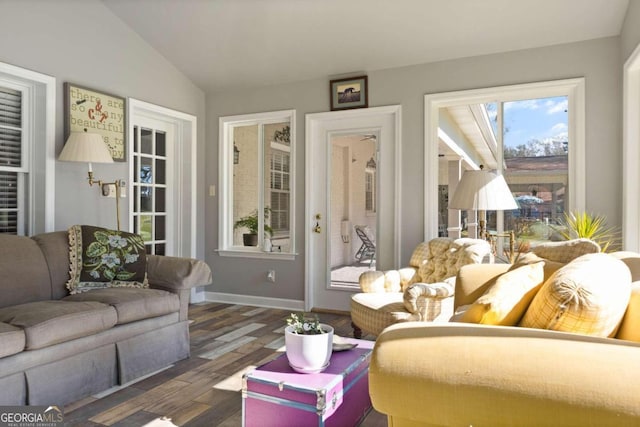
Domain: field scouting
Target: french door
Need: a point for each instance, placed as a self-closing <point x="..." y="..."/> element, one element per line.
<point x="152" y="165"/>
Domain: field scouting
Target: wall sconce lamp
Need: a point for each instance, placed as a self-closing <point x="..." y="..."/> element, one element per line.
<point x="90" y="148"/>
<point x="236" y="154"/>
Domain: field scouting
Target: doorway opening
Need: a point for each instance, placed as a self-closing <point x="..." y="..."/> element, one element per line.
<point x="353" y="192"/>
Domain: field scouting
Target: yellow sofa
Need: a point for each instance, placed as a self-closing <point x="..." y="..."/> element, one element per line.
<point x="460" y="374"/>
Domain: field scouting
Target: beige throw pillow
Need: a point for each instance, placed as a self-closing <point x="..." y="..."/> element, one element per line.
<point x="507" y="299"/>
<point x="589" y="296"/>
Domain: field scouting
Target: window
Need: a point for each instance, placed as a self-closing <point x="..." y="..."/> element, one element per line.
<point x="13" y="169"/>
<point x="256" y="182"/>
<point x="533" y="134"/>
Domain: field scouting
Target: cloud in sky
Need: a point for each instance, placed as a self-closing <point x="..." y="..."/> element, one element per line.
<point x="527" y="104"/>
<point x="556" y="107"/>
<point x="559" y="128"/>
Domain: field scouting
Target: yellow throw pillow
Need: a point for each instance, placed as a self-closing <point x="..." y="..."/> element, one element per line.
<point x="630" y="326"/>
<point x="588" y="296"/>
<point x="507" y="299"/>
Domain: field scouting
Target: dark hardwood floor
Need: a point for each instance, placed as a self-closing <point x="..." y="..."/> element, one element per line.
<point x="204" y="390"/>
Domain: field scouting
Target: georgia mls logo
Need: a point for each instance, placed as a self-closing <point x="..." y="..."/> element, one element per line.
<point x="31" y="416"/>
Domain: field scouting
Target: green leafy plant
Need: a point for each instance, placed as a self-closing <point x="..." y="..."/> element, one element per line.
<point x="250" y="222"/>
<point x="305" y="325"/>
<point x="594" y="227"/>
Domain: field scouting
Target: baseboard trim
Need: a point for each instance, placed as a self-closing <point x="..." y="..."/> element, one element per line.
<point x="286" y="304"/>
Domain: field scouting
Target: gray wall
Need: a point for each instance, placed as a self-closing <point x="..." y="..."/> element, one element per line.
<point x="84" y="43"/>
<point x="630" y="34"/>
<point x="597" y="60"/>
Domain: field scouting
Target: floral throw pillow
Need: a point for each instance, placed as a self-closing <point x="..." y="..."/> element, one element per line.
<point x="103" y="258"/>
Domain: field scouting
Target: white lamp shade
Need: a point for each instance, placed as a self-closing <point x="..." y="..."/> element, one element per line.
<point x="85" y="147"/>
<point x="483" y="191"/>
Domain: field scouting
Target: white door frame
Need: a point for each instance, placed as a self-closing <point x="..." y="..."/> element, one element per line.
<point x="184" y="177"/>
<point x="631" y="153"/>
<point x="319" y="128"/>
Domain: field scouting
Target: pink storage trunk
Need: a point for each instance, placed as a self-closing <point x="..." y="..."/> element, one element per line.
<point x="274" y="395"/>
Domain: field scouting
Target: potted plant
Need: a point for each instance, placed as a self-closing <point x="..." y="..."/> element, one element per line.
<point x="591" y="226"/>
<point x="250" y="222"/>
<point x="308" y="343"/>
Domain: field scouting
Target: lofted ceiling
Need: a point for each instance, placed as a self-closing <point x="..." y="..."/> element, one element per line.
<point x="226" y="45"/>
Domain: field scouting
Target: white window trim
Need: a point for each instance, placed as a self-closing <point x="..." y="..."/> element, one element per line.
<point x="631" y="153"/>
<point x="574" y="89"/>
<point x="225" y="177"/>
<point x="41" y="118"/>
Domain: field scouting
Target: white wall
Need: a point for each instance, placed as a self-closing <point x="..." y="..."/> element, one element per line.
<point x="82" y="42"/>
<point x="597" y="60"/>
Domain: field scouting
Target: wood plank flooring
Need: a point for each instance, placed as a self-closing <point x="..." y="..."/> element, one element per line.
<point x="204" y="390"/>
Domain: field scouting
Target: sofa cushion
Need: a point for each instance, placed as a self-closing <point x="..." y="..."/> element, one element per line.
<point x="589" y="296"/>
<point x="51" y="322"/>
<point x="12" y="340"/>
<point x="132" y="304"/>
<point x="374" y="312"/>
<point x="507" y="299"/>
<point x="102" y="258"/>
<point x="630" y="326"/>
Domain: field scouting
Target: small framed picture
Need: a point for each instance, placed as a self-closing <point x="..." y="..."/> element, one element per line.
<point x="349" y="93"/>
<point x="97" y="112"/>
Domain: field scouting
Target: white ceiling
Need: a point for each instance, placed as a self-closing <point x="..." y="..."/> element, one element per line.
<point x="233" y="44"/>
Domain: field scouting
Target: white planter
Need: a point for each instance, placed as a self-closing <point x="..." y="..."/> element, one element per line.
<point x="309" y="353"/>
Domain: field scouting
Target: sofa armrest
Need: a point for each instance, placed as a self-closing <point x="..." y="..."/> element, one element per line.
<point x="460" y="374"/>
<point x="425" y="300"/>
<point x="474" y="279"/>
<point x="177" y="275"/>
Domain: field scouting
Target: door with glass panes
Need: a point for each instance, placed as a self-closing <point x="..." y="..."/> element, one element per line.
<point x="152" y="190"/>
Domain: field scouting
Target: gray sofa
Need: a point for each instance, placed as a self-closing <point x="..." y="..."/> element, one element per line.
<point x="56" y="348"/>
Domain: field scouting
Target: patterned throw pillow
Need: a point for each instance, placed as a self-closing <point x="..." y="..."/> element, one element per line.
<point x="102" y="258"/>
<point x="587" y="296"/>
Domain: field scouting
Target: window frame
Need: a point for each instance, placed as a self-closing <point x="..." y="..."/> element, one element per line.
<point x="574" y="89"/>
<point x="226" y="124"/>
<point x="39" y="117"/>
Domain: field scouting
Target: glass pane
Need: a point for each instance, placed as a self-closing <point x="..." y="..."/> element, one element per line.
<point x="136" y="167"/>
<point x="8" y="222"/>
<point x="161" y="203"/>
<point x="146" y="141"/>
<point x="145" y="227"/>
<point x="10" y="147"/>
<point x="149" y="249"/>
<point x="160" y="249"/>
<point x="146" y="171"/>
<point x="536" y="147"/>
<point x="135" y="225"/>
<point x="161" y="172"/>
<point x="245" y="183"/>
<point x="136" y="198"/>
<point x="146" y="194"/>
<point x="160" y="227"/>
<point x="161" y="144"/>
<point x="136" y="149"/>
<point x="10" y="107"/>
<point x="8" y="190"/>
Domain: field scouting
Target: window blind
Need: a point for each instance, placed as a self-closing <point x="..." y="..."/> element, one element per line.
<point x="10" y="157"/>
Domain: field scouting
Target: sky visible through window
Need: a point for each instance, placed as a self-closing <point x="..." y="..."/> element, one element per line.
<point x="544" y="120"/>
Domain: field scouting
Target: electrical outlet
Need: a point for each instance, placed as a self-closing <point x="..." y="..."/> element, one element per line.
<point x="271" y="276"/>
<point x="109" y="190"/>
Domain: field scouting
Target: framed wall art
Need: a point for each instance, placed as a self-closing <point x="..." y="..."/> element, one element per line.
<point x="349" y="93"/>
<point x="97" y="112"/>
